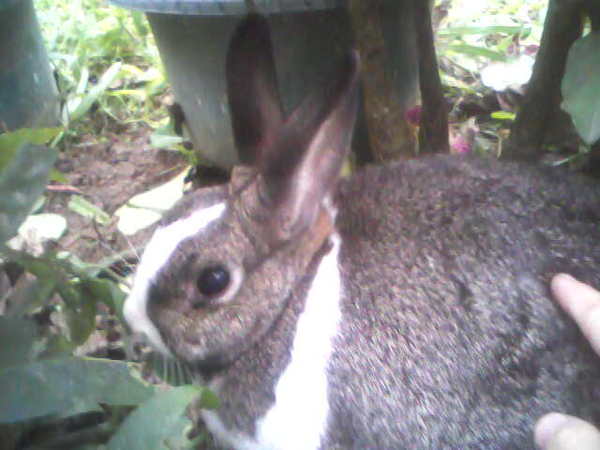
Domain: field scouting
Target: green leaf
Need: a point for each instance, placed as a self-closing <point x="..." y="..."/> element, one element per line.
<point x="44" y="268"/>
<point x="84" y="208"/>
<point x="107" y="292"/>
<point x="21" y="184"/>
<point x="164" y="140"/>
<point x="158" y="424"/>
<point x="139" y="21"/>
<point x="16" y="336"/>
<point x="503" y="115"/>
<point x="165" y="136"/>
<point x="38" y="205"/>
<point x="581" y="84"/>
<point x="209" y="400"/>
<point x="83" y="80"/>
<point x="473" y="50"/>
<point x="458" y="32"/>
<point x="81" y="268"/>
<point x="65" y="387"/>
<point x="86" y="101"/>
<point x="13" y="140"/>
<point x="57" y="346"/>
<point x="80" y="313"/>
<point x="59" y="177"/>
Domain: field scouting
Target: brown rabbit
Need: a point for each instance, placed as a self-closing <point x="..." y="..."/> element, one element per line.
<point x="405" y="307"/>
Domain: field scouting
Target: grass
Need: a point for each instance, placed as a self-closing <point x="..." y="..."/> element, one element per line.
<point x="105" y="58"/>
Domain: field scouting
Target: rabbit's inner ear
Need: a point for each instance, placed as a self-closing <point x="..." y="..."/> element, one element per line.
<point x="254" y="103"/>
<point x="310" y="153"/>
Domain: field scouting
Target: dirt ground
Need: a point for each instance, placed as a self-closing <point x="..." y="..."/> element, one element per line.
<point x="108" y="170"/>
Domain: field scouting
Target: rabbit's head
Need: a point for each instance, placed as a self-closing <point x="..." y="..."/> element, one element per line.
<point x="221" y="267"/>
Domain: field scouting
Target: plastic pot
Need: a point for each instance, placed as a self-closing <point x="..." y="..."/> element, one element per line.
<point x="28" y="94"/>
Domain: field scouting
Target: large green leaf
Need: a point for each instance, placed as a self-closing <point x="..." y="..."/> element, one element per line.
<point x="581" y="84"/>
<point x="158" y="424"/>
<point x="21" y="183"/>
<point x="16" y="336"/>
<point x="64" y="387"/>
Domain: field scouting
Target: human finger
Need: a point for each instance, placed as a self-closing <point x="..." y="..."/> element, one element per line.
<point x="582" y="302"/>
<point x="556" y="431"/>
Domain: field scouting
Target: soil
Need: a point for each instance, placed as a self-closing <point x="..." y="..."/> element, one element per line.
<point x="108" y="169"/>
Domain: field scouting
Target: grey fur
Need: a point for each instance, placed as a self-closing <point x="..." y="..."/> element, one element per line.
<point x="449" y="338"/>
<point x="448" y="323"/>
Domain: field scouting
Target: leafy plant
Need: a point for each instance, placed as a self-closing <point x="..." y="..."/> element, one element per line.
<point x="67" y="386"/>
<point x="168" y="409"/>
<point x="105" y="58"/>
<point x="50" y="311"/>
<point x="24" y="172"/>
<point x="580" y="86"/>
<point x="481" y="31"/>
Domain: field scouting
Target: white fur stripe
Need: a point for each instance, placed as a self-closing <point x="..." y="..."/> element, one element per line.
<point x="158" y="251"/>
<point x="298" y="419"/>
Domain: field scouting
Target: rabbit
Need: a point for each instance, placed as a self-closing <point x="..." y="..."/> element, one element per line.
<point x="403" y="307"/>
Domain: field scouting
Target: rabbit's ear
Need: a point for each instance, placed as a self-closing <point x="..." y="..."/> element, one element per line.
<point x="256" y="113"/>
<point x="305" y="163"/>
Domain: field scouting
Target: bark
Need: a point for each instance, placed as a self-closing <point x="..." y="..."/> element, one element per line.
<point x="433" y="132"/>
<point x="390" y="136"/>
<point x="541" y="103"/>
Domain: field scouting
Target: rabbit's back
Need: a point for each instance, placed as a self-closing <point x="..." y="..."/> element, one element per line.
<point x="448" y="337"/>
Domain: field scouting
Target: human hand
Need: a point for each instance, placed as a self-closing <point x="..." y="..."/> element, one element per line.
<point x="556" y="431"/>
<point x="582" y="303"/>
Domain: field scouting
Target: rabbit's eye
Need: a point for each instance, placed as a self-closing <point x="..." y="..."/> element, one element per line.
<point x="213" y="280"/>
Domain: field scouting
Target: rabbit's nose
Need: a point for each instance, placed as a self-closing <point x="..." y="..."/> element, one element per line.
<point x="136" y="316"/>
